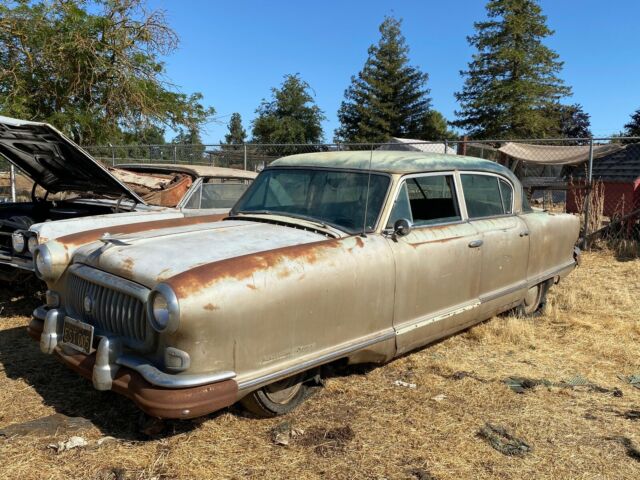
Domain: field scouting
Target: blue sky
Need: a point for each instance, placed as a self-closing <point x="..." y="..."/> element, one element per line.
<point x="234" y="52"/>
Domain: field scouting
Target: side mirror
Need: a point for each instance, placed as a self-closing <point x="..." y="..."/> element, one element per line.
<point x="402" y="227"/>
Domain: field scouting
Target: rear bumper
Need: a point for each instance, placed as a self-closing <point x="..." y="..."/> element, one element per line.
<point x="169" y="396"/>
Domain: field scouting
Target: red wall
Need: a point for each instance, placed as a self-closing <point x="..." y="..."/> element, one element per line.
<point x="614" y="192"/>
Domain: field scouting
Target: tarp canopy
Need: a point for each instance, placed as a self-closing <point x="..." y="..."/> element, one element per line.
<point x="556" y="154"/>
<point x="410" y="144"/>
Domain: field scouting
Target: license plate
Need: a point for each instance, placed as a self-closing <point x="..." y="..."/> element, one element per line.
<point x="78" y="335"/>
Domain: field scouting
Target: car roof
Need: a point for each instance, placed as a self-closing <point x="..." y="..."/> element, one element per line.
<point x="195" y="170"/>
<point x="400" y="162"/>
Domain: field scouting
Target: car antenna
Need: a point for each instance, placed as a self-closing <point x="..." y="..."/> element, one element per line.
<point x="366" y="199"/>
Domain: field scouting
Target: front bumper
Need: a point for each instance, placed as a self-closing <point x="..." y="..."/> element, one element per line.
<point x="21" y="263"/>
<point x="156" y="393"/>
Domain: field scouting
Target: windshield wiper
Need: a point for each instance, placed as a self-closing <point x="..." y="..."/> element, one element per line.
<point x="284" y="214"/>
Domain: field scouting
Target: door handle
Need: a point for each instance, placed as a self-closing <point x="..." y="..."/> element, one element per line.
<point x="524" y="234"/>
<point x="475" y="243"/>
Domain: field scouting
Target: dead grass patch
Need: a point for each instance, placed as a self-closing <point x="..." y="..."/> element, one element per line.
<point x="362" y="425"/>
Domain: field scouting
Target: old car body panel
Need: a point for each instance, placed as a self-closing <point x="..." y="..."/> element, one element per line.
<point x="311" y="324"/>
<point x="136" y="256"/>
<point x="433" y="295"/>
<point x="552" y="237"/>
<point x="278" y="296"/>
<point x="55" y="162"/>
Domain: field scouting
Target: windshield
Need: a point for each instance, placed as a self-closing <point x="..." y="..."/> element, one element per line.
<point x="333" y="197"/>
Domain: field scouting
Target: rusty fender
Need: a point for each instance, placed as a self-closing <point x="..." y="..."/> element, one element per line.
<point x="261" y="313"/>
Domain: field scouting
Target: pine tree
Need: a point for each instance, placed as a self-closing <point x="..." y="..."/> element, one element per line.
<point x="512" y="80"/>
<point x="632" y="129"/>
<point x="237" y="134"/>
<point x="291" y="116"/>
<point x="435" y="127"/>
<point x="388" y="98"/>
<point x="573" y="121"/>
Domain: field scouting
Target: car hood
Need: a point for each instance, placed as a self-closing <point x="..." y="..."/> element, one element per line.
<point x="54" y="162"/>
<point x="155" y="256"/>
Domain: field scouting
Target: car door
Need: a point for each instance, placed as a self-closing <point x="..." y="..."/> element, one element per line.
<point x="505" y="240"/>
<point x="436" y="270"/>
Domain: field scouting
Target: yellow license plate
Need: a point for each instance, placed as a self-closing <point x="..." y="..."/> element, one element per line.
<point x="77" y="334"/>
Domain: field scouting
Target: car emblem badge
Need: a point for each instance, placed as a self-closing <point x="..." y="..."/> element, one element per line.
<point x="87" y="304"/>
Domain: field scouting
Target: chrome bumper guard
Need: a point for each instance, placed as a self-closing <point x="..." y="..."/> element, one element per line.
<point x="110" y="356"/>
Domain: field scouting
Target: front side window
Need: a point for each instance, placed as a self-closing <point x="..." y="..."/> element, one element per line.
<point x="486" y="195"/>
<point x="426" y="200"/>
<point x="334" y="197"/>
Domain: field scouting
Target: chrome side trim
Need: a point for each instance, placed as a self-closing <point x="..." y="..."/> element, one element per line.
<point x="166" y="380"/>
<point x="314" y="362"/>
<point x="487" y="297"/>
<point x="550" y="273"/>
<point x="436" y="317"/>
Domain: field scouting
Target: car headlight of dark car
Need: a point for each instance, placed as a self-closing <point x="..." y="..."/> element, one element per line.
<point x="32" y="244"/>
<point x="163" y="309"/>
<point x="19" y="242"/>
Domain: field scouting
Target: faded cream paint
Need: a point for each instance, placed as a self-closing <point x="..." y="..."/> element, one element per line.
<point x="266" y="301"/>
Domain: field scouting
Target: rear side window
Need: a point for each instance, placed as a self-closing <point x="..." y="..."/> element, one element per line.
<point x="426" y="201"/>
<point x="486" y="195"/>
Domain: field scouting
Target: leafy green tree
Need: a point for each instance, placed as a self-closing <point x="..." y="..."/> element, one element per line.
<point x="92" y="68"/>
<point x="388" y="97"/>
<point x="632" y="129"/>
<point x="512" y="80"/>
<point x="237" y="134"/>
<point x="290" y="116"/>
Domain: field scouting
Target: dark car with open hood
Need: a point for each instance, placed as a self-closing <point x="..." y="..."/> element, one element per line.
<point x="72" y="192"/>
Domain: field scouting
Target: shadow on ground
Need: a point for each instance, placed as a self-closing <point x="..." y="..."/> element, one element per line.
<point x="72" y="395"/>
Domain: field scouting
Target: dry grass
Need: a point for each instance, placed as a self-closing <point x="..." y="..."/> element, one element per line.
<point x="361" y="425"/>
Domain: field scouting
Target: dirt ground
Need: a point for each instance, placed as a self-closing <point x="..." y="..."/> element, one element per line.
<point x="363" y="424"/>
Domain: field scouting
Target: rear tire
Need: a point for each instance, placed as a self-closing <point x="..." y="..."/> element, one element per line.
<point x="534" y="301"/>
<point x="278" y="398"/>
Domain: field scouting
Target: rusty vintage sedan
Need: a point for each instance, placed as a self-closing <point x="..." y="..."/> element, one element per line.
<point x="339" y="256"/>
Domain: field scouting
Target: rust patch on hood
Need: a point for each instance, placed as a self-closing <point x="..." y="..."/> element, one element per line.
<point x="193" y="281"/>
<point x="88" y="236"/>
<point x="211" y="307"/>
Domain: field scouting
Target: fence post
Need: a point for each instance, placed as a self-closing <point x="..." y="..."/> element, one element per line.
<point x="245" y="155"/>
<point x="113" y="156"/>
<point x="587" y="198"/>
<point x="446" y="146"/>
<point x="12" y="180"/>
<point x="175" y="154"/>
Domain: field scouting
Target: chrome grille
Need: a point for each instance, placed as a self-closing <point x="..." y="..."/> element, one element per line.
<point x="111" y="311"/>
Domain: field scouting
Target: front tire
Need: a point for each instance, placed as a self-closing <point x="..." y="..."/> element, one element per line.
<point x="277" y="398"/>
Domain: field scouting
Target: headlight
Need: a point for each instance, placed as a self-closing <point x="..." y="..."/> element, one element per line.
<point x="32" y="243"/>
<point x="42" y="263"/>
<point x="18" y="241"/>
<point x="163" y="310"/>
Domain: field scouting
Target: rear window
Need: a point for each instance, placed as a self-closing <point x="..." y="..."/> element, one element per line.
<point x="486" y="195"/>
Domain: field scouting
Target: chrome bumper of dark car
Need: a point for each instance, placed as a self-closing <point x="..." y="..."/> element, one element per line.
<point x="10" y="260"/>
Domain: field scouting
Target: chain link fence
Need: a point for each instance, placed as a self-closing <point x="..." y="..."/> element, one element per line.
<point x="597" y="179"/>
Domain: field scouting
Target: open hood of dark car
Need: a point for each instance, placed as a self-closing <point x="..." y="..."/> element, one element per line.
<point x="56" y="163"/>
